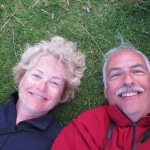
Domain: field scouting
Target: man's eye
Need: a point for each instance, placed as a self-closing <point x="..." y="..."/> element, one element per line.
<point x="115" y="75"/>
<point x="138" y="71"/>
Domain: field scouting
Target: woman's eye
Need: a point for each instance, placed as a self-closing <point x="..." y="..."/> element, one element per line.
<point x="35" y="75"/>
<point x="55" y="84"/>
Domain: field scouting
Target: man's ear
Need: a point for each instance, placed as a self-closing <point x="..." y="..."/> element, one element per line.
<point x="105" y="92"/>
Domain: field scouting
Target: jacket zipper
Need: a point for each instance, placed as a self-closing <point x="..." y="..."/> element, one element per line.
<point x="133" y="134"/>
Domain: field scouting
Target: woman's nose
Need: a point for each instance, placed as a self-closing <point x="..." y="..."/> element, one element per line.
<point x="42" y="85"/>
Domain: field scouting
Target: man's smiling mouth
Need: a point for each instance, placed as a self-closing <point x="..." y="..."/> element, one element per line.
<point x="129" y="91"/>
<point x="129" y="94"/>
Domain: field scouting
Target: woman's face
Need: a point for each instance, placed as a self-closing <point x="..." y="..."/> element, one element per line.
<point x="41" y="87"/>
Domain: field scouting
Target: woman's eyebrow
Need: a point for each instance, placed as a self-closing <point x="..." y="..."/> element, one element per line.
<point x="58" y="78"/>
<point x="38" y="70"/>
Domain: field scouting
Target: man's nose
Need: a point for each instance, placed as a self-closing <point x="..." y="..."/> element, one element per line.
<point x="128" y="79"/>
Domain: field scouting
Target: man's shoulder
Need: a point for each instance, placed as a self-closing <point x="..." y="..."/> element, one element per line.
<point x="96" y="111"/>
<point x="95" y="115"/>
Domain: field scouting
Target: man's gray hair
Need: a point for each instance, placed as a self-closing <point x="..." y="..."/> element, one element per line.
<point x="124" y="45"/>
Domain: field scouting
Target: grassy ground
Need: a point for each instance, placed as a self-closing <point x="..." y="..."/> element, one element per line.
<point x="93" y="24"/>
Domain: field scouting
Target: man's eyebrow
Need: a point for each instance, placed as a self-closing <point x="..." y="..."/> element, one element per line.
<point x="137" y="65"/>
<point x="114" y="69"/>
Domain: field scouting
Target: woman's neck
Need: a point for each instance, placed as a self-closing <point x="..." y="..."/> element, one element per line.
<point x="25" y="114"/>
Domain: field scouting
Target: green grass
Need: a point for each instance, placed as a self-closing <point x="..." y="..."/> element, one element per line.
<point x="95" y="31"/>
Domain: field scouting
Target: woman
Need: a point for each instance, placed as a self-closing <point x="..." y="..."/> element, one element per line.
<point x="47" y="74"/>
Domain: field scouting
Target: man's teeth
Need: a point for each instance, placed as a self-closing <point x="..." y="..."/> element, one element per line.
<point x="129" y="94"/>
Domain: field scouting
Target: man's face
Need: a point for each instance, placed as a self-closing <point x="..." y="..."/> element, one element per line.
<point x="128" y="83"/>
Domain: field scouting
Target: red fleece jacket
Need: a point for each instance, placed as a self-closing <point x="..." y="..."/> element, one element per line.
<point x="89" y="131"/>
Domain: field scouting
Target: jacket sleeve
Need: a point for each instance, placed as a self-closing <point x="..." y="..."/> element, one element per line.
<point x="82" y="133"/>
<point x="73" y="137"/>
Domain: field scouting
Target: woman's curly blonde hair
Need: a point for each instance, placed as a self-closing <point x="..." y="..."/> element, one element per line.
<point x="67" y="54"/>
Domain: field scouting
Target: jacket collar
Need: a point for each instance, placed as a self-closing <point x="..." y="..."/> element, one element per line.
<point x="117" y="115"/>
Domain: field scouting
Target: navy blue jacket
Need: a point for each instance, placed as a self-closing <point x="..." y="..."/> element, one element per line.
<point x="40" y="137"/>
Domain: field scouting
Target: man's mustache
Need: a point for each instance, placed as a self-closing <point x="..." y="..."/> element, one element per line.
<point x="129" y="89"/>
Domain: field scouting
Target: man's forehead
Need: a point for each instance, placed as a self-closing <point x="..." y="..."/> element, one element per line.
<point x="126" y="57"/>
<point x="118" y="68"/>
<point x="125" y="54"/>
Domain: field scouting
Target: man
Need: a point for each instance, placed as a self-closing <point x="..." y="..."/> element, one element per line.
<point x="124" y="124"/>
